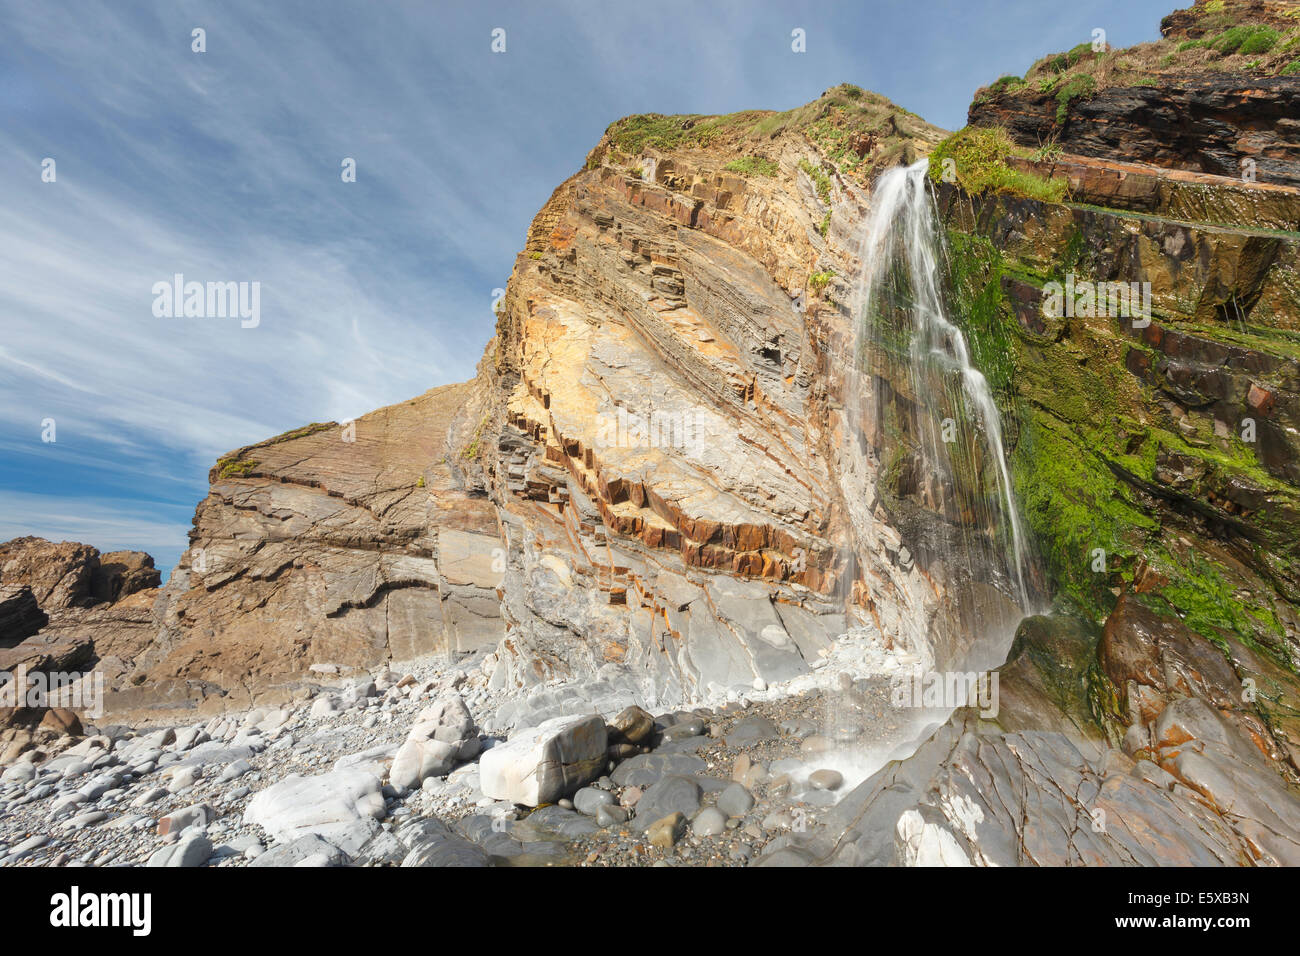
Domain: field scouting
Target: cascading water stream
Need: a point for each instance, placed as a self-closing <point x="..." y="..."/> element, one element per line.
<point x="923" y="466"/>
<point x="958" y="440"/>
<point x="925" y="440"/>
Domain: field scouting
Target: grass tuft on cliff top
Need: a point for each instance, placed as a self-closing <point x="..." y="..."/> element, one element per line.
<point x="1238" y="37"/>
<point x="1079" y="86"/>
<point x="979" y="160"/>
<point x="235" y="467"/>
<point x="857" y="130"/>
<point x="302" y="432"/>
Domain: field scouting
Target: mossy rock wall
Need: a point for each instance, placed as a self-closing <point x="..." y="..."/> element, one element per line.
<point x="1132" y="440"/>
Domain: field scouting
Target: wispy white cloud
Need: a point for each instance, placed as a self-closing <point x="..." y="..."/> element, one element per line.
<point x="345" y="325"/>
<point x="111" y="525"/>
<point x="224" y="166"/>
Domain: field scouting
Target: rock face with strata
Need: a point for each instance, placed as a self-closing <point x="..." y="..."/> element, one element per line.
<point x="684" y="508"/>
<point x="331" y="549"/>
<point x="1206" y="124"/>
<point x="648" y="484"/>
<point x="65" y="608"/>
<point x="659" y="488"/>
<point x="1192" y="101"/>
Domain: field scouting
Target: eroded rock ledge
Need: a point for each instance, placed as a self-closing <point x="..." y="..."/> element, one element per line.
<point x="653" y="491"/>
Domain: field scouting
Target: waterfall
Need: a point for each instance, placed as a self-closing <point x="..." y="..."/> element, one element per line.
<point x="923" y="467"/>
<point x="928" y="412"/>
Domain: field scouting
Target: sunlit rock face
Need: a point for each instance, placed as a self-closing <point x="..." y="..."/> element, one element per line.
<point x="652" y="480"/>
<point x="709" y="436"/>
<point x="327" y="550"/>
<point x="688" y="504"/>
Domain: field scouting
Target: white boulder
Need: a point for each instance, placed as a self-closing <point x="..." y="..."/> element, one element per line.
<point x="544" y="763"/>
<point x="193" y="849"/>
<point x="443" y="734"/>
<point x="340" y="806"/>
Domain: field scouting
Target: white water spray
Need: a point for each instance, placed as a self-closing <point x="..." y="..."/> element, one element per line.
<point x="900" y="295"/>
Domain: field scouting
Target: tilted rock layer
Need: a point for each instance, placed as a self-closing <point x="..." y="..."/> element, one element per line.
<point x="1219" y="93"/>
<point x="331" y="548"/>
<point x="660" y="485"/>
<point x="645" y="481"/>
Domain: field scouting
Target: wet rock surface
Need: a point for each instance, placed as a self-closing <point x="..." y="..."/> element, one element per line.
<point x="523" y="621"/>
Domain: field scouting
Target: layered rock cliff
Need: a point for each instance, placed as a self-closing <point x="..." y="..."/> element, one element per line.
<point x="678" y="475"/>
<point x="684" y="508"/>
<point x="650" y="479"/>
<point x="328" y="549"/>
<point x="1154" y="719"/>
<point x="1218" y="93"/>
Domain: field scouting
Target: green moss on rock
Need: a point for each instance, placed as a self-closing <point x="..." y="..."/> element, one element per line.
<point x="1093" y="445"/>
<point x="236" y="467"/>
<point x="977" y="158"/>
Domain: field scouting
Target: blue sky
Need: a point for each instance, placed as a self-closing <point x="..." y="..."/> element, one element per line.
<point x="225" y="166"/>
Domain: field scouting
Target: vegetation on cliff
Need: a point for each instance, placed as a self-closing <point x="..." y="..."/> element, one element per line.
<point x="1096" y="449"/>
<point x="979" y="164"/>
<point x="752" y="166"/>
<point x="857" y="131"/>
<point x="1212" y="36"/>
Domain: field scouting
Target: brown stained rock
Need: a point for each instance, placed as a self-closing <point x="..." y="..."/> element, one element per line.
<point x="631" y="725"/>
<point x="342" y="544"/>
<point x="1145" y="703"/>
<point x="1145" y="643"/>
<point x="1260" y="400"/>
<point x="666" y="832"/>
<point x="1032" y="798"/>
<point x="62" y="721"/>
<point x="123" y="573"/>
<point x="59" y="575"/>
<point x="740" y="769"/>
<point x="14" y="740"/>
<point x="1130" y="644"/>
<point x="1190" y="713"/>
